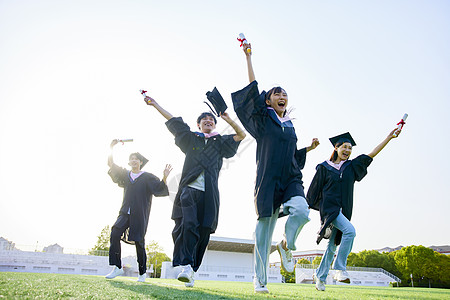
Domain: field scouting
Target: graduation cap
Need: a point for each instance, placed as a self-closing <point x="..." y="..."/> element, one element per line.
<point x="141" y="158"/>
<point x="217" y="101"/>
<point x="343" y="138"/>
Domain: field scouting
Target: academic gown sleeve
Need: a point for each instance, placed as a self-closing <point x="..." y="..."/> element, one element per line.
<point x="314" y="195"/>
<point x="250" y="108"/>
<point x="229" y="146"/>
<point x="300" y="157"/>
<point x="360" y="165"/>
<point x="182" y="133"/>
<point x="158" y="187"/>
<point x="118" y="175"/>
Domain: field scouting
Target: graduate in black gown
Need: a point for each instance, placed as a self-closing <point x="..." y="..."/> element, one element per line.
<point x="196" y="206"/>
<point x="331" y="192"/>
<point x="279" y="176"/>
<point x="139" y="188"/>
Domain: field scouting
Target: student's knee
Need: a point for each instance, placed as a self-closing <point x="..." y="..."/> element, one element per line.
<point x="115" y="235"/>
<point x="300" y="211"/>
<point x="350" y="232"/>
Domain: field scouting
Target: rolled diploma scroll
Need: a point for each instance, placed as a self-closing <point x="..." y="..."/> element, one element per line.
<point x="125" y="140"/>
<point x="401" y="123"/>
<point x="244" y="41"/>
<point x="143" y="94"/>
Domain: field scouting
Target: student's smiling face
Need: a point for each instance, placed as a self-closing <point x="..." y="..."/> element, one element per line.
<point x="207" y="124"/>
<point x="344" y="151"/>
<point x="134" y="162"/>
<point x="278" y="101"/>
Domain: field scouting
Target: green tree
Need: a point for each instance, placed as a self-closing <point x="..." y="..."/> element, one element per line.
<point x="420" y="261"/>
<point x="155" y="257"/>
<point x="288" y="277"/>
<point x="303" y="261"/>
<point x="373" y="259"/>
<point x="317" y="260"/>
<point x="101" y="248"/>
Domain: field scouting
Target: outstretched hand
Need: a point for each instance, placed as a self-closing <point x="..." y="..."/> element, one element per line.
<point x="245" y="47"/>
<point x="394" y="133"/>
<point x="113" y="143"/>
<point x="225" y="116"/>
<point x="315" y="142"/>
<point x="150" y="101"/>
<point x="167" y="170"/>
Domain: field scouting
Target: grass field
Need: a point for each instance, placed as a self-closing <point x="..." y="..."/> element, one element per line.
<point x="57" y="286"/>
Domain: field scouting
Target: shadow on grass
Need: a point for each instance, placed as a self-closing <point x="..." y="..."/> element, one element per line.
<point x="171" y="291"/>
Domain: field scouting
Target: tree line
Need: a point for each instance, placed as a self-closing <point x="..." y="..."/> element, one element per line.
<point x="416" y="266"/>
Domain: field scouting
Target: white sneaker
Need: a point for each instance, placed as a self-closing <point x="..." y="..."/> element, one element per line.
<point x="187" y="274"/>
<point x="141" y="278"/>
<point x="114" y="273"/>
<point x="189" y="284"/>
<point x="287" y="263"/>
<point x="342" y="276"/>
<point x="259" y="288"/>
<point x="320" y="285"/>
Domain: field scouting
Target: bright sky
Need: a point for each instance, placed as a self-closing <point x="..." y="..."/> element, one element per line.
<point x="71" y="71"/>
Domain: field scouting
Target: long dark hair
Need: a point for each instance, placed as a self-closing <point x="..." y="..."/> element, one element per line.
<point x="334" y="155"/>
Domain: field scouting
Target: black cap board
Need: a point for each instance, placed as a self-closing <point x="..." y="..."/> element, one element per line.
<point x="343" y="138"/>
<point x="217" y="102"/>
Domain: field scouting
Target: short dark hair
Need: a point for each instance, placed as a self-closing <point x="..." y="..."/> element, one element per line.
<point x="274" y="90"/>
<point x="203" y="115"/>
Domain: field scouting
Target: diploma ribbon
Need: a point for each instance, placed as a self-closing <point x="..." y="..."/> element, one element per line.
<point x="243" y="41"/>
<point x="125" y="140"/>
<point x="400" y="124"/>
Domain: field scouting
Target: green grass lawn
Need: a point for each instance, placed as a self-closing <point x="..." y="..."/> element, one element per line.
<point x="57" y="286"/>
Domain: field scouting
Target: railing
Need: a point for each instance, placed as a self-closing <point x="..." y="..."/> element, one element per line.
<point x="362" y="269"/>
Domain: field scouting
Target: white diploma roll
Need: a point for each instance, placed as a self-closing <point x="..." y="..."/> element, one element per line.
<point x="125" y="140"/>
<point x="244" y="41"/>
<point x="401" y="123"/>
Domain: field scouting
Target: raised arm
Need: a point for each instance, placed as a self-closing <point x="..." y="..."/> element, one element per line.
<point x="166" y="172"/>
<point x="248" y="56"/>
<point x="110" y="157"/>
<point x="384" y="142"/>
<point x="240" y="134"/>
<point x="314" y="144"/>
<point x="152" y="102"/>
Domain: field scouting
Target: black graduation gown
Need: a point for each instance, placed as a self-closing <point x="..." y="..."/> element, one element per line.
<point x="137" y="196"/>
<point x="278" y="162"/>
<point x="201" y="157"/>
<point x="332" y="190"/>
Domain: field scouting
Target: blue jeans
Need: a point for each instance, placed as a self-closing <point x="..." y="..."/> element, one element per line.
<point x="298" y="211"/>
<point x="348" y="235"/>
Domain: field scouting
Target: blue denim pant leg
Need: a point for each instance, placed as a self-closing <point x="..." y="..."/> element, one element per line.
<point x="263" y="240"/>
<point x="298" y="211"/>
<point x="348" y="235"/>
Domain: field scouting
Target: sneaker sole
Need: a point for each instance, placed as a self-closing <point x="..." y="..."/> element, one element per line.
<point x="184" y="279"/>
<point x="345" y="280"/>
<point x="282" y="266"/>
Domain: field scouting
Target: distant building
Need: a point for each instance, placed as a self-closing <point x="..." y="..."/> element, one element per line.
<point x="227" y="259"/>
<point x="440" y="249"/>
<point x="388" y="249"/>
<point x="55" y="248"/>
<point x="308" y="255"/>
<point x="6" y="245"/>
